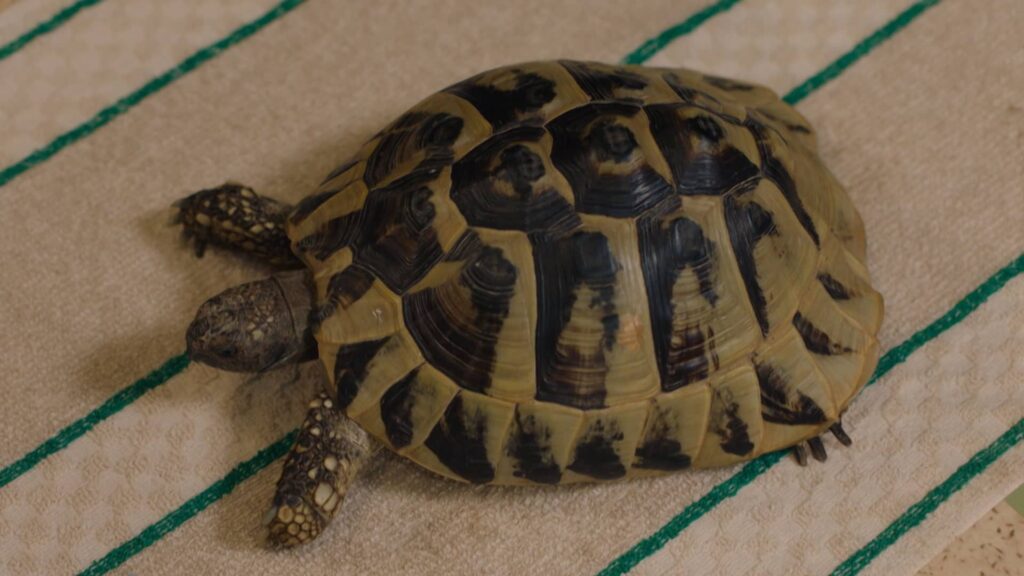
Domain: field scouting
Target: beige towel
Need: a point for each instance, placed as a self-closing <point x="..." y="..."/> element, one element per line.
<point x="926" y="131"/>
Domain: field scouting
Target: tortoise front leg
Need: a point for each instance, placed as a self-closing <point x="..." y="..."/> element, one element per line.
<point x="233" y="216"/>
<point x="326" y="456"/>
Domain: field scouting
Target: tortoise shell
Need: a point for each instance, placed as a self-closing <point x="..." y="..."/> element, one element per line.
<point x="565" y="271"/>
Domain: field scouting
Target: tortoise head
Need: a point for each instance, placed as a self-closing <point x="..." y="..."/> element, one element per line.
<point x="255" y="326"/>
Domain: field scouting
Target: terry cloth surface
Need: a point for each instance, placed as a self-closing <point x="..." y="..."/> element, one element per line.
<point x="118" y="455"/>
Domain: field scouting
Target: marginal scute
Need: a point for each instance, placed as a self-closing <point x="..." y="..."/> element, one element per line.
<point x="846" y="280"/>
<point x="606" y="444"/>
<point x="790" y="122"/>
<point x="410" y="408"/>
<point x="593" y="325"/>
<point x="338" y="180"/>
<point x="824" y="196"/>
<point x="329" y="228"/>
<point x="693" y="89"/>
<point x="606" y="152"/>
<point x="779" y="164"/>
<point x="603" y="82"/>
<point x="735" y="427"/>
<point x="796" y="397"/>
<point x="466" y="443"/>
<point x="675" y="429"/>
<point x="845" y="358"/>
<point x="530" y="93"/>
<point x="395" y="358"/>
<point x="752" y="97"/>
<point x="350" y="365"/>
<point x="540" y="443"/>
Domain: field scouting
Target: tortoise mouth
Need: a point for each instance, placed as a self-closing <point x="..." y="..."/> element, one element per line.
<point x="206" y="342"/>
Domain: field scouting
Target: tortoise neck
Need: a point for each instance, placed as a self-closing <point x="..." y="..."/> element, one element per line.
<point x="297" y="289"/>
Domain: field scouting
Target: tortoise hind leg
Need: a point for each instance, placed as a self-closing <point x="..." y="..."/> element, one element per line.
<point x="327" y="454"/>
<point x="818" y="447"/>
<point x="233" y="216"/>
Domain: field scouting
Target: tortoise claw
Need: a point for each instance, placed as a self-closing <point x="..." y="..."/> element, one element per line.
<point x="818" y="449"/>
<point x="198" y="246"/>
<point x="840" y="434"/>
<point x="817" y="445"/>
<point x="801" y="454"/>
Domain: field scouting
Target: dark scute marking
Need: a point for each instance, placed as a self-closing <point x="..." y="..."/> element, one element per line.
<point x="392" y="235"/>
<point x="468" y="245"/>
<point x="611" y="141"/>
<point x="334" y="235"/>
<point x="590" y="145"/>
<point x="397" y="240"/>
<point x="464" y="347"/>
<point x="748" y="223"/>
<point x="309" y="204"/>
<point x="727" y="84"/>
<point x="414" y="132"/>
<point x="568" y="375"/>
<point x="659" y="451"/>
<point x="834" y="287"/>
<point x="603" y="85"/>
<point x="503" y="107"/>
<point x="530" y="447"/>
<point x="697" y="98"/>
<point x="595" y="455"/>
<point x="396" y="410"/>
<point x="343" y="289"/>
<point x="776" y="172"/>
<point x="779" y="405"/>
<point x="506" y="157"/>
<point x="439" y="130"/>
<point x="691" y="363"/>
<point x="815" y="339"/>
<point x="735" y="439"/>
<point x="789" y="125"/>
<point x="706" y="128"/>
<point x="662" y="454"/>
<point x="520" y="167"/>
<point x="350" y="366"/>
<point x="687" y="93"/>
<point x="341" y="169"/>
<point x="700" y="157"/>
<point x="458" y="441"/>
<point x="667" y="247"/>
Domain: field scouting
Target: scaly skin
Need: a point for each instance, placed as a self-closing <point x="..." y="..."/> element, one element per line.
<point x="233" y="216"/>
<point x="326" y="456"/>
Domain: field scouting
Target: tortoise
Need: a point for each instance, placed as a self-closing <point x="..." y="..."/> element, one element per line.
<point x="553" y="272"/>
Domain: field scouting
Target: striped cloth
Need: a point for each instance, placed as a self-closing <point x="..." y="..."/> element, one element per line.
<point x="117" y="455"/>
